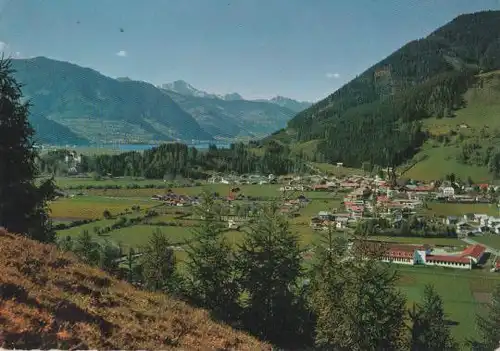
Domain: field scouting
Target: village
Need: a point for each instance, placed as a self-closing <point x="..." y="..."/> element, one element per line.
<point x="365" y="198"/>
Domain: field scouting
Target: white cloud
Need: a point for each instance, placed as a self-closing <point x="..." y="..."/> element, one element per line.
<point x="332" y="75"/>
<point x="121" y="53"/>
<point x="3" y="46"/>
<point x="17" y="54"/>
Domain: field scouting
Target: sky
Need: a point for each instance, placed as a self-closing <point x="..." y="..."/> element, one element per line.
<point x="303" y="49"/>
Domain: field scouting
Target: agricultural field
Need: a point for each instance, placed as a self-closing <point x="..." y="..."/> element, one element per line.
<point x="65" y="182"/>
<point x="92" y="207"/>
<point x="463" y="293"/>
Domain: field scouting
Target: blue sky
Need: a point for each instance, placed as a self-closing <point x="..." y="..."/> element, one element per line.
<point x="304" y="49"/>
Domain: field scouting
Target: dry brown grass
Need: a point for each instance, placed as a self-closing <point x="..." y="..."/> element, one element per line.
<point x="48" y="299"/>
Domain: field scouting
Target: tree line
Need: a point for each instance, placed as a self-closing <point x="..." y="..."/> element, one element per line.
<point x="173" y="160"/>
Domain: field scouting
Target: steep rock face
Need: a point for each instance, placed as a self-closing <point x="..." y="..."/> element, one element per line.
<point x="425" y="78"/>
<point x="49" y="299"/>
<point x="99" y="108"/>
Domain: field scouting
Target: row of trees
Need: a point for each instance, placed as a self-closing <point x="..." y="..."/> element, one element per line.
<point x="411" y="226"/>
<point x="346" y="299"/>
<point x="169" y="161"/>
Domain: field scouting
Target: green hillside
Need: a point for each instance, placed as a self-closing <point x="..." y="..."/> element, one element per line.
<point x="380" y="116"/>
<point x="474" y="130"/>
<point x="101" y="109"/>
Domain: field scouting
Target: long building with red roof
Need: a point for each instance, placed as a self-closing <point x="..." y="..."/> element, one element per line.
<point x="420" y="255"/>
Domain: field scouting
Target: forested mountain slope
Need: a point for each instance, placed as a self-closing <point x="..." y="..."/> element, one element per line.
<point x="50" y="300"/>
<point x="376" y="117"/>
<point x="99" y="108"/>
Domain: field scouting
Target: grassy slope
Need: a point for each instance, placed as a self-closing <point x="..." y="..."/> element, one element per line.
<point x="482" y="110"/>
<point x="50" y="300"/>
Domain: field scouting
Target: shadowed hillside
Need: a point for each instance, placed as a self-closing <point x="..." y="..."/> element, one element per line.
<point x="50" y="300"/>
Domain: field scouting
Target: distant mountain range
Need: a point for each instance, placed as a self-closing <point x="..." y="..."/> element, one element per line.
<point x="186" y="89"/>
<point x="229" y="115"/>
<point x="77" y="105"/>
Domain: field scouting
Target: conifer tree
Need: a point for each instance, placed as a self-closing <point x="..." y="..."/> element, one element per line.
<point x="86" y="248"/>
<point x="357" y="304"/>
<point x="489" y="324"/>
<point x="65" y="244"/>
<point x="108" y="258"/>
<point x="429" y="329"/>
<point x="269" y="261"/>
<point x="158" y="262"/>
<point x="210" y="266"/>
<point x="23" y="204"/>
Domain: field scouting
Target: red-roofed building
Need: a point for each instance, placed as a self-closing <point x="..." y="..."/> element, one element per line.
<point x="402" y="254"/>
<point x="474" y="252"/>
<point x="449" y="261"/>
<point x="414" y="255"/>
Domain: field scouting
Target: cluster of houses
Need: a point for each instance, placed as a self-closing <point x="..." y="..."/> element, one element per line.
<point x="173" y="199"/>
<point x="244" y="179"/>
<point x="367" y="197"/>
<point x="474" y="224"/>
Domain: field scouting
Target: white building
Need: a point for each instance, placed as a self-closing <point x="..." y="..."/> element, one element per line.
<point x="448" y="191"/>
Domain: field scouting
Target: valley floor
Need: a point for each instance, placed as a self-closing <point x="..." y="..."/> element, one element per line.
<point x="463" y="292"/>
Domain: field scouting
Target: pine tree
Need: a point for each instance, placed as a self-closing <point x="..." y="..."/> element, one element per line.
<point x="429" y="329"/>
<point x="23" y="204"/>
<point x="65" y="244"/>
<point x="210" y="266"/>
<point x="269" y="261"/>
<point x="158" y="262"/>
<point x="357" y="304"/>
<point x="109" y="256"/>
<point x="86" y="248"/>
<point x="489" y="324"/>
